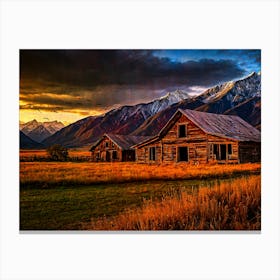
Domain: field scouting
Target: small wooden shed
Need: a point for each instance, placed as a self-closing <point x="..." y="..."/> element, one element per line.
<point x="199" y="137"/>
<point x="115" y="148"/>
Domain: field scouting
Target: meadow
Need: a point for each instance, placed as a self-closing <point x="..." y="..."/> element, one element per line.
<point x="227" y="205"/>
<point x="68" y="207"/>
<point x="51" y="174"/>
<point x="91" y="196"/>
<point x="152" y="205"/>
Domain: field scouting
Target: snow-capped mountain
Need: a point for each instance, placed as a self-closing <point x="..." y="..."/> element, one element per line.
<point x="228" y="95"/>
<point x="175" y="96"/>
<point x="123" y="120"/>
<point x="38" y="131"/>
<point x="168" y="99"/>
<point x="240" y="90"/>
<point x="53" y="126"/>
<point x="29" y="126"/>
<point x="153" y="107"/>
<point x="241" y="97"/>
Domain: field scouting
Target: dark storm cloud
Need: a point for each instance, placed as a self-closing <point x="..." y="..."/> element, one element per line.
<point x="85" y="68"/>
<point x="89" y="78"/>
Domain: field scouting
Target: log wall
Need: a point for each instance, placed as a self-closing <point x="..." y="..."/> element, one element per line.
<point x="200" y="146"/>
<point x="249" y="152"/>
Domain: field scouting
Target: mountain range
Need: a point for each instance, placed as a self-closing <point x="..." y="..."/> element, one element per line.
<point x="38" y="131"/>
<point x="241" y="97"/>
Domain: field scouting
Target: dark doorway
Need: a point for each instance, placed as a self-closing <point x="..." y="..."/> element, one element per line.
<point x="114" y="155"/>
<point x="108" y="156"/>
<point x="223" y="148"/>
<point x="183" y="154"/>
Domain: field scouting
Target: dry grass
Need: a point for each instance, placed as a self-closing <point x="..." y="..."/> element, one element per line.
<point x="87" y="173"/>
<point x="226" y="206"/>
<point x="30" y="154"/>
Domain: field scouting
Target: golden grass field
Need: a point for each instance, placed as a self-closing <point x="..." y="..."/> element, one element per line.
<point x="43" y="153"/>
<point x="86" y="173"/>
<point x="226" y="206"/>
<point x="131" y="196"/>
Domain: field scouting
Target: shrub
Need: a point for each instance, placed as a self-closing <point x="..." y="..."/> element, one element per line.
<point x="57" y="152"/>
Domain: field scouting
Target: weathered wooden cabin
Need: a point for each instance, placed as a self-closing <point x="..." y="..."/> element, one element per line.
<point x="113" y="147"/>
<point x="199" y="137"/>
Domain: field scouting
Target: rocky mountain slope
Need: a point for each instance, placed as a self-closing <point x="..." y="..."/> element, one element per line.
<point x="123" y="120"/>
<point x="241" y="97"/>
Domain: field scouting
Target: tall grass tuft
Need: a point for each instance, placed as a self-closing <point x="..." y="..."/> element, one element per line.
<point x="225" y="206"/>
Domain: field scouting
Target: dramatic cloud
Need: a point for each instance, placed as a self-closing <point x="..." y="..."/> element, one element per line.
<point x="84" y="68"/>
<point x="90" y="81"/>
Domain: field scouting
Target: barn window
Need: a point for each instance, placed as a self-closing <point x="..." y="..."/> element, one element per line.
<point x="114" y="155"/>
<point x="182" y="131"/>
<point x="230" y="149"/>
<point x="106" y="144"/>
<point x="216" y="151"/>
<point x="152" y="153"/>
<point x="222" y="151"/>
<point x="113" y="145"/>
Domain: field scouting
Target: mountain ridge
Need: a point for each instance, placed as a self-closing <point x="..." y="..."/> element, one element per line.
<point x="224" y="98"/>
<point x="149" y="118"/>
<point x="122" y="120"/>
<point x="38" y="131"/>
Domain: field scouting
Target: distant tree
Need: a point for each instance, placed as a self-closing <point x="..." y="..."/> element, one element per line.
<point x="57" y="152"/>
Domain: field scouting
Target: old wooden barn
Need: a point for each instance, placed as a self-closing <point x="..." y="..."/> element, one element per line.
<point x="199" y="137"/>
<point x="113" y="147"/>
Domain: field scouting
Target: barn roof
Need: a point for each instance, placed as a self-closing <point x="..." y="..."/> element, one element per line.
<point x="125" y="142"/>
<point x="227" y="126"/>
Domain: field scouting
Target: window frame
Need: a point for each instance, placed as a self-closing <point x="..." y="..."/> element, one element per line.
<point x="152" y="156"/>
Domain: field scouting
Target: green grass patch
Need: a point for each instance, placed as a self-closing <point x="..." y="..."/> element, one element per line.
<point x="65" y="208"/>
